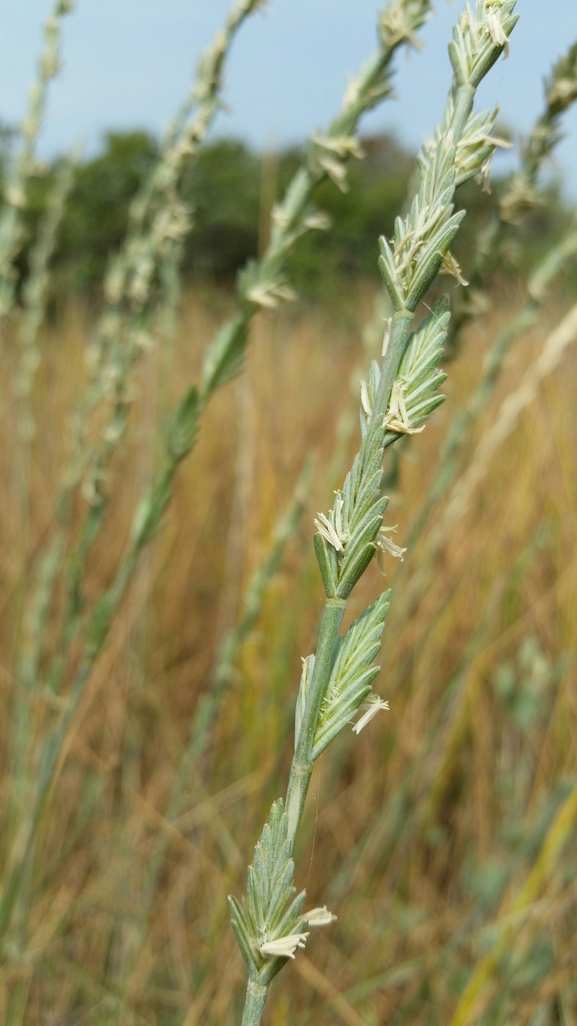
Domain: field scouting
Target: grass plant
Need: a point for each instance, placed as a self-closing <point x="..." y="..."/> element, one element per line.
<point x="270" y="926"/>
<point x="150" y="724"/>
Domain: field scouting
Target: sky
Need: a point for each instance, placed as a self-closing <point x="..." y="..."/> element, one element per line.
<point x="129" y="63"/>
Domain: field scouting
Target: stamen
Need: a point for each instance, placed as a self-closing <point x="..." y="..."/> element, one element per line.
<point x="284" y="947"/>
<point x="372" y="707"/>
<point x="319" y="917"/>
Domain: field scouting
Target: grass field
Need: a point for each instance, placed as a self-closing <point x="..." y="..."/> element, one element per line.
<point x="442" y="839"/>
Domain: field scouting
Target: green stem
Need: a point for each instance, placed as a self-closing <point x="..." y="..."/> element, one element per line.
<point x="256" y="994"/>
<point x="400" y="331"/>
<point x="302" y="764"/>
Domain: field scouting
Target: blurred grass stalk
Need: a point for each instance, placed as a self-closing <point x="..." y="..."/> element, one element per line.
<point x="521" y="197"/>
<point x="523" y="194"/>
<point x="12" y="229"/>
<point x="546" y="864"/>
<point x="30" y="321"/>
<point x="539" y="288"/>
<point x="553" y="352"/>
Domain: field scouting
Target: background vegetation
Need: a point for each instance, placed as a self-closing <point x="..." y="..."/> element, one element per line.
<point x="427" y="829"/>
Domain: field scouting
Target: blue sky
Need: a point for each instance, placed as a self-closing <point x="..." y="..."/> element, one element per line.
<point x="128" y="63"/>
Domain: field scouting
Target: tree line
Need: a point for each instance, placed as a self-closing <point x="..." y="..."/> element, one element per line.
<point x="231" y="189"/>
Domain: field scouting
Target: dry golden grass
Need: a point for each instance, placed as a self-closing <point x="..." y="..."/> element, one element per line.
<point x="422" y="833"/>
